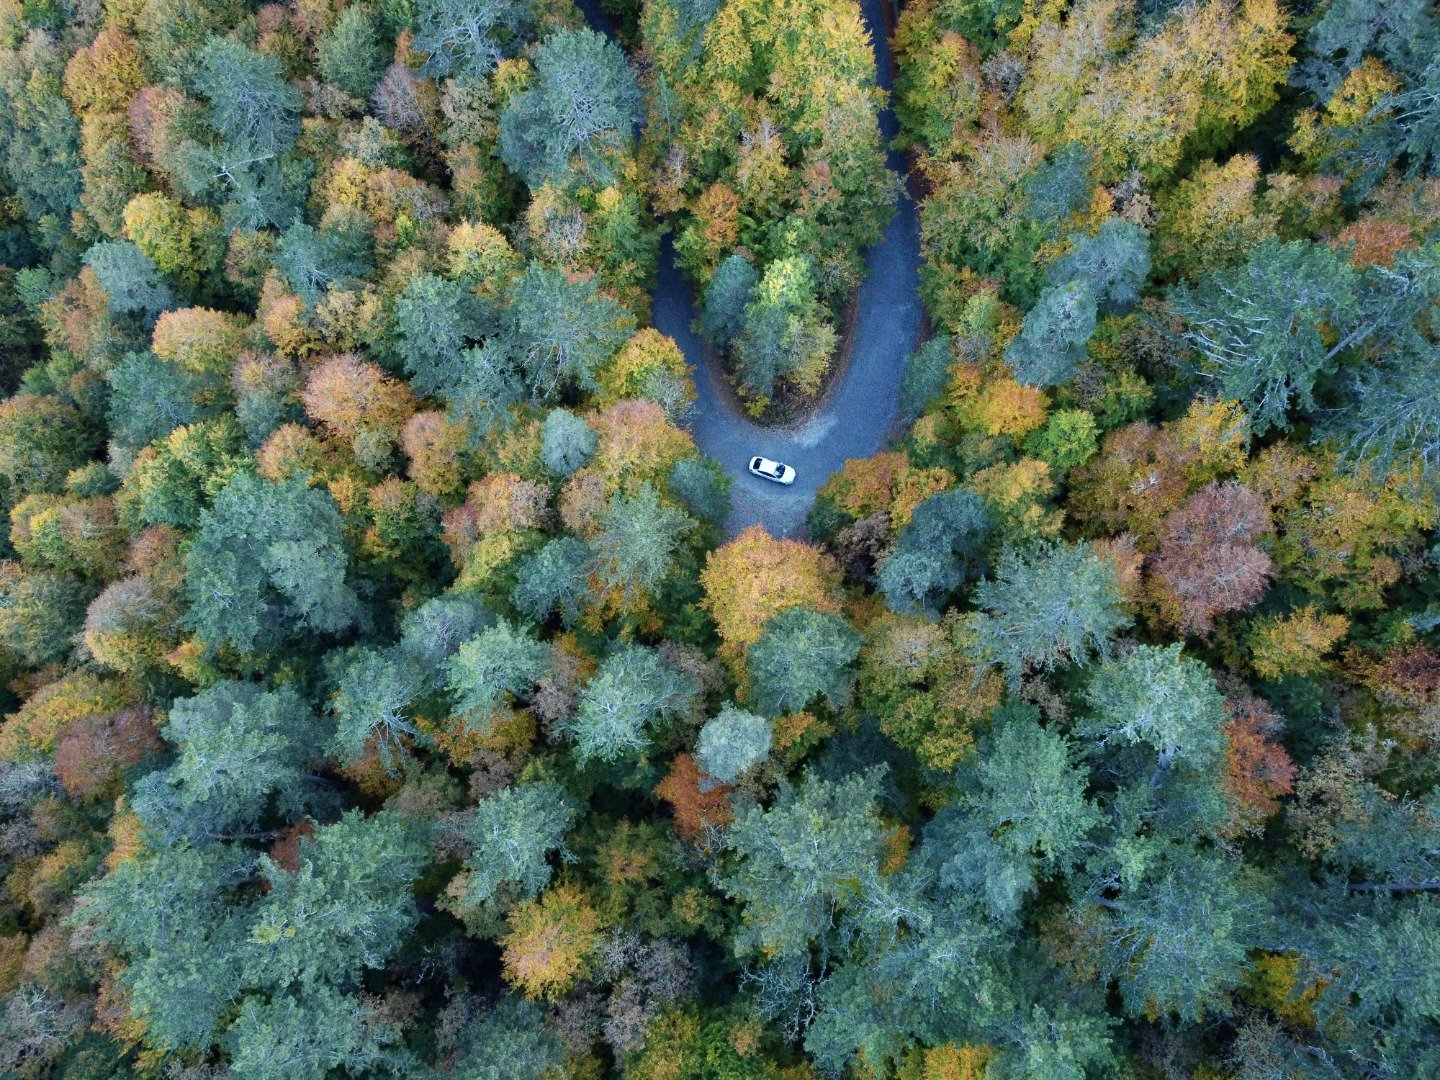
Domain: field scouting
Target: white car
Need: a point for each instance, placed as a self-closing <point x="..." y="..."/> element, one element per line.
<point x="772" y="470"/>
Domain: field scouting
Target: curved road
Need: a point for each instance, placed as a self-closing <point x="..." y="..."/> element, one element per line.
<point x="859" y="409"/>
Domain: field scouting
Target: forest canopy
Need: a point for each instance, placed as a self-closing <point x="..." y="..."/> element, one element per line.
<point x="389" y="688"/>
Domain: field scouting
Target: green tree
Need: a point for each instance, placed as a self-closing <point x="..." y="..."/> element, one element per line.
<point x="436" y="320"/>
<point x="927" y="372"/>
<point x="175" y="478"/>
<point x="170" y="914"/>
<point x="315" y="261"/>
<point x="491" y="668"/>
<point x="796" y="865"/>
<point x="787" y="336"/>
<point x="1178" y="932"/>
<point x="310" y="1035"/>
<point x="374" y="693"/>
<point x="943" y="545"/>
<point x="252" y="106"/>
<point x="637" y="542"/>
<point x="1022" y="817"/>
<point x="1391" y="411"/>
<point x="346" y="908"/>
<point x="467" y="39"/>
<point x="726" y="298"/>
<point x="130" y="278"/>
<point x="1113" y="264"/>
<point x="352" y="53"/>
<point x="239" y="750"/>
<point x="40" y="613"/>
<point x="567" y="442"/>
<point x="41" y="439"/>
<point x="1053" y="604"/>
<point x="1053" y="335"/>
<point x="511" y="1038"/>
<point x="560" y="332"/>
<point x="634" y="690"/>
<point x="802" y="654"/>
<point x="732" y="742"/>
<point x="39" y="137"/>
<point x="1161" y="698"/>
<point x="576" y="116"/>
<point x="1267" y="329"/>
<point x="1375" y="964"/>
<point x="554" y="580"/>
<point x="268" y="561"/>
<point x="435" y="630"/>
<point x="150" y="398"/>
<point x="702" y="487"/>
<point x="511" y="836"/>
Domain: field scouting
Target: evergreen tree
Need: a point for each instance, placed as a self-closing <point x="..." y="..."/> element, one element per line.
<point x="803" y="654"/>
<point x="240" y="751"/>
<point x="511" y="835"/>
<point x="1053" y="604"/>
<point x="578" y="113"/>
<point x="268" y="561"/>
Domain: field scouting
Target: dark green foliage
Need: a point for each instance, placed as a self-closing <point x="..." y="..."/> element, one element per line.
<point x="150" y="398"/>
<point x="732" y="742"/>
<point x="1022" y="817"/>
<point x="169" y="913"/>
<point x="470" y="37"/>
<point x="252" y="107"/>
<point x="554" y="580"/>
<point x="509" y="1038"/>
<point x="927" y="371"/>
<point x="726" y="298"/>
<point x="1261" y="326"/>
<point x="340" y="712"/>
<point x="352" y="54"/>
<point x="311" y="1034"/>
<point x="1392" y="409"/>
<point x="511" y="834"/>
<point x="268" y="561"/>
<point x="785" y="330"/>
<point x="567" y="442"/>
<point x="802" y="655"/>
<point x="492" y="667"/>
<point x="1113" y="264"/>
<point x="1060" y="186"/>
<point x="130" y="279"/>
<point x="635" y="690"/>
<point x="39" y="137"/>
<point x="796" y="865"/>
<point x="1053" y="335"/>
<point x="943" y="546"/>
<point x="240" y="753"/>
<point x="637" y="542"/>
<point x="40" y="612"/>
<point x="432" y="633"/>
<point x="1162" y="699"/>
<point x="558" y="333"/>
<point x="579" y="111"/>
<point x="344" y="909"/>
<point x="1051" y="605"/>
<point x="317" y="260"/>
<point x="435" y="321"/>
<point x="1177" y="935"/>
<point x="41" y="439"/>
<point x="703" y="487"/>
<point x="373" y="695"/>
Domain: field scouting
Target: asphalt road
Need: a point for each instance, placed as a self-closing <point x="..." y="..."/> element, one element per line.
<point x="859" y="409"/>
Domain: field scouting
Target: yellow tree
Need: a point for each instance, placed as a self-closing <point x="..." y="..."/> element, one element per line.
<point x="755" y="577"/>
